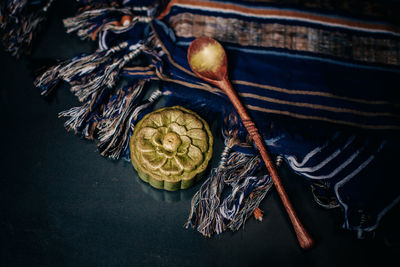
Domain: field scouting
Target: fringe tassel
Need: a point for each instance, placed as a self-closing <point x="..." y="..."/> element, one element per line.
<point x="245" y="200"/>
<point x="209" y="214"/>
<point x="105" y="76"/>
<point x="84" y="119"/>
<point x="232" y="193"/>
<point x="118" y="123"/>
<point x="144" y="108"/>
<point x="116" y="112"/>
<point x="88" y="73"/>
<point x="110" y="120"/>
<point x="75" y="68"/>
<point x="21" y="23"/>
<point x="204" y="215"/>
<point x="239" y="167"/>
<point x="89" y="23"/>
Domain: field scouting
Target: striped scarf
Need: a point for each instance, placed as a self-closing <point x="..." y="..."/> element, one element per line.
<point x="318" y="79"/>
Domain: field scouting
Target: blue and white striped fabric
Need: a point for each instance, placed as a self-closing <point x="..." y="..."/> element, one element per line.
<point x="319" y="82"/>
<point x="330" y="112"/>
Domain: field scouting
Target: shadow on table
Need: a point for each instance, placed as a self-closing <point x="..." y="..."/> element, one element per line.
<point x="167" y="196"/>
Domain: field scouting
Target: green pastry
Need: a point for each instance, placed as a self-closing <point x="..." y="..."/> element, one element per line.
<point x="170" y="148"/>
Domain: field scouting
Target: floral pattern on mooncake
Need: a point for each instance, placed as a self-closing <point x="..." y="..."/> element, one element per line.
<point x="170" y="148"/>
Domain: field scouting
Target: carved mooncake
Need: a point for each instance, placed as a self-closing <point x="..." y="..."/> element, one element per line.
<point x="170" y="148"/>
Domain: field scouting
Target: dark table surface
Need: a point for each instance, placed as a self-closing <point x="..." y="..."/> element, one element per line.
<point x="62" y="204"/>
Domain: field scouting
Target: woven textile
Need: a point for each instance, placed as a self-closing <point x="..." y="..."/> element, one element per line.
<point x="304" y="74"/>
<point x="319" y="79"/>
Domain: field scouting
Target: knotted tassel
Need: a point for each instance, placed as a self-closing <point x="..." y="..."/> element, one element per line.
<point x="84" y="119"/>
<point x="87" y="73"/>
<point x="239" y="167"/>
<point x="90" y="22"/>
<point x="204" y="215"/>
<point x="204" y="208"/>
<point x="116" y="125"/>
<point x="232" y="193"/>
<point x="244" y="200"/>
<point x="141" y="110"/>
<point x="104" y="75"/>
<point x="210" y="214"/>
<point x="77" y="68"/>
<point x="247" y="191"/>
<point x="21" y="23"/>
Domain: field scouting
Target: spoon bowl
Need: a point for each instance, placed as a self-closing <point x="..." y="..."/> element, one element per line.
<point x="207" y="59"/>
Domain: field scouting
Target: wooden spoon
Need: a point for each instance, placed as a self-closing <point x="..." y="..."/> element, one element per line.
<point x="207" y="59"/>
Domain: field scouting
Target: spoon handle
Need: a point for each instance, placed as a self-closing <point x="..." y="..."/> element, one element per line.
<point x="303" y="236"/>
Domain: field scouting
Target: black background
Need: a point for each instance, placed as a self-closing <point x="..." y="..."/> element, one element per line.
<point x="62" y="204"/>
